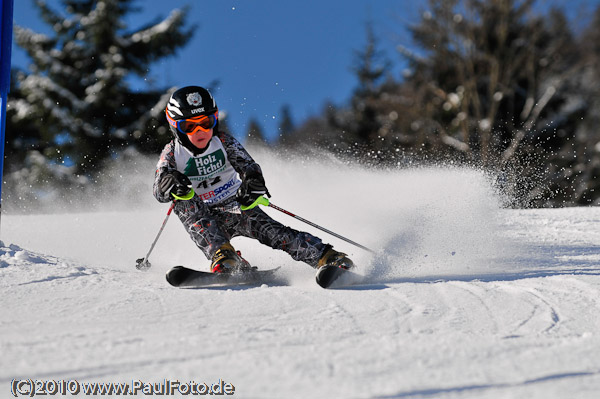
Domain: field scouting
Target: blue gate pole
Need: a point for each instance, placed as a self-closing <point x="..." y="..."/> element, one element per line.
<point x="6" y="18"/>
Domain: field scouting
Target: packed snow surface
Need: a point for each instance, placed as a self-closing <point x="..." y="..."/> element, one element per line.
<point x="464" y="299"/>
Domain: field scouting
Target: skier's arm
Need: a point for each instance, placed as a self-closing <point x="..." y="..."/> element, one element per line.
<point x="253" y="182"/>
<point x="165" y="166"/>
<point x="241" y="161"/>
<point x="252" y="187"/>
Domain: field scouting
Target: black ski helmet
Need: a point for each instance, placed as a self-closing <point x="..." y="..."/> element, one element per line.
<point x="188" y="102"/>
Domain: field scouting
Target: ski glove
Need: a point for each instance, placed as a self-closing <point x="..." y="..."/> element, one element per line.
<point x="253" y="186"/>
<point x="174" y="183"/>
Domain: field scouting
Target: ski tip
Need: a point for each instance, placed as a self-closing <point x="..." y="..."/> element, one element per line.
<point x="326" y="275"/>
<point x="173" y="276"/>
<point x="335" y="277"/>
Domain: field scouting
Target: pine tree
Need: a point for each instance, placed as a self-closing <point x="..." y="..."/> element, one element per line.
<point x="286" y="125"/>
<point x="75" y="106"/>
<point x="488" y="72"/>
<point x="357" y="129"/>
<point x="255" y="136"/>
<point x="371" y="67"/>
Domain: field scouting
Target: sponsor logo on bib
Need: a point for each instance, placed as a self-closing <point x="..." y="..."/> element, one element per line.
<point x="205" y="166"/>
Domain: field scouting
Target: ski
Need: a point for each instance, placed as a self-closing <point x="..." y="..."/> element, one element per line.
<point x="334" y="276"/>
<point x="181" y="276"/>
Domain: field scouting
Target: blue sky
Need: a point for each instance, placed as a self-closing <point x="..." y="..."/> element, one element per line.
<point x="267" y="53"/>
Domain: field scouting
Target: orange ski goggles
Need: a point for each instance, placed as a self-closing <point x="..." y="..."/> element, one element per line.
<point x="190" y="126"/>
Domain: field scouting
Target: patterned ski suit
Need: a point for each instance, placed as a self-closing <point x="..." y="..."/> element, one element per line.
<point x="213" y="216"/>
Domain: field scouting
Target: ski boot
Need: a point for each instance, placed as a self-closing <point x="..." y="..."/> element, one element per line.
<point x="227" y="260"/>
<point x="331" y="257"/>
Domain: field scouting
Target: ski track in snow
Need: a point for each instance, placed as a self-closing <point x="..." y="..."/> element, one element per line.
<point x="465" y="300"/>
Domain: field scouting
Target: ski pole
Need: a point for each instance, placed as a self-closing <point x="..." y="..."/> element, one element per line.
<point x="265" y="202"/>
<point x="142" y="263"/>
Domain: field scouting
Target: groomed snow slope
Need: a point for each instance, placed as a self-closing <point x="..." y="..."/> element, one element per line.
<point x="466" y="300"/>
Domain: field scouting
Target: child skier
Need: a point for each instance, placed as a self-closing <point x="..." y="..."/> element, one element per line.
<point x="223" y="176"/>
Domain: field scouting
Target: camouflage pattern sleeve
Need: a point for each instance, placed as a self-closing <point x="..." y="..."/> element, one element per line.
<point x="241" y="161"/>
<point x="166" y="163"/>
